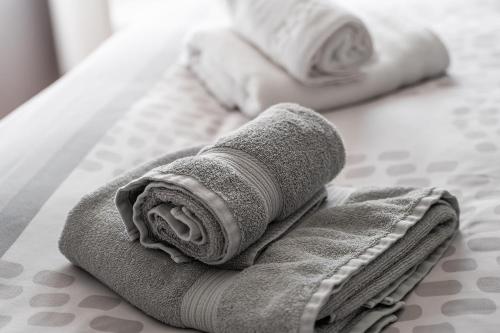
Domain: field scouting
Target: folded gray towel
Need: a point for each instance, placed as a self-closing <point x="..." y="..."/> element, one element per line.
<point x="344" y="268"/>
<point x="215" y="206"/>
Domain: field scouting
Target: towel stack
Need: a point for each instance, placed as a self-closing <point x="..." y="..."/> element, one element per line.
<point x="312" y="52"/>
<point x="250" y="235"/>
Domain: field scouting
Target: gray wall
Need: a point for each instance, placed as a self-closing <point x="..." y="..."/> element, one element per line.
<point x="27" y="57"/>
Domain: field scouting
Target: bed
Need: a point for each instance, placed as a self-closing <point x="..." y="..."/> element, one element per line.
<point x="92" y="125"/>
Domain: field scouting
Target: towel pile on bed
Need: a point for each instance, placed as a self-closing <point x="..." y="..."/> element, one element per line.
<point x="312" y="52"/>
<point x="250" y="234"/>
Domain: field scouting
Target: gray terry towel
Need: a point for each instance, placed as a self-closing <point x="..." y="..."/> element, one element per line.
<point x="344" y="268"/>
<point x="217" y="205"/>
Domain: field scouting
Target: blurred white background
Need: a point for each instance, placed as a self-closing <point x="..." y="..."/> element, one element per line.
<point x="43" y="39"/>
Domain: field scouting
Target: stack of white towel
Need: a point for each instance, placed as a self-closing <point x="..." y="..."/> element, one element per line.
<point x="311" y="52"/>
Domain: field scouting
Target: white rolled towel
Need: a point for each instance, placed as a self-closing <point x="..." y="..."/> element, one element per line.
<point x="317" y="41"/>
<point x="239" y="76"/>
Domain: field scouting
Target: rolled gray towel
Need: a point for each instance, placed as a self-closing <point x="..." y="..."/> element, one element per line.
<point x="223" y="205"/>
<point x="344" y="268"/>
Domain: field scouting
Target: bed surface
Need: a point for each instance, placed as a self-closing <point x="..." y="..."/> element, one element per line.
<point x="131" y="101"/>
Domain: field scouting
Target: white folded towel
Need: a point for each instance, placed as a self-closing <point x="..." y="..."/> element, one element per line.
<point x="241" y="77"/>
<point x="317" y="41"/>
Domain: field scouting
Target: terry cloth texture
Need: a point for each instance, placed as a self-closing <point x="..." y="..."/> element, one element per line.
<point x="223" y="205"/>
<point x="240" y="76"/>
<point x="343" y="268"/>
<point x="317" y="41"/>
